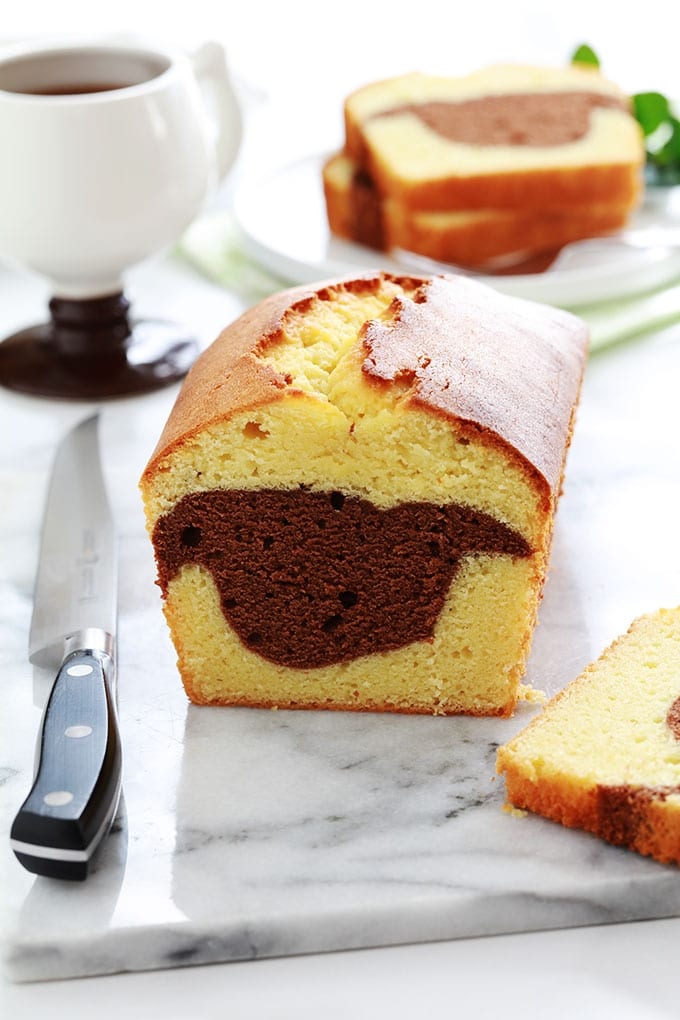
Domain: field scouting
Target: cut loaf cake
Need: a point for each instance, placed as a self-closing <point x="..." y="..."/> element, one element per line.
<point x="351" y="504"/>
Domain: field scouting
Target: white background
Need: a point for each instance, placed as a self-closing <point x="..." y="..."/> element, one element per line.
<point x="304" y="57"/>
<point x="311" y="51"/>
<point x="302" y="43"/>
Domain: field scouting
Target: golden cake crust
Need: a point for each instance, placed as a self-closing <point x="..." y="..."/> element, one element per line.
<point x="229" y="377"/>
<point x="482" y="383"/>
<point x="613" y="183"/>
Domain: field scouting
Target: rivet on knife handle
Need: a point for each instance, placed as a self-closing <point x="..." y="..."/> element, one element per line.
<point x="75" y="792"/>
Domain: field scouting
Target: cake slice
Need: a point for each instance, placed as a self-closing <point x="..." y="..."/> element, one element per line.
<point x="357" y="212"/>
<point x="503" y="137"/>
<point x="604" y="754"/>
<point x="351" y="503"/>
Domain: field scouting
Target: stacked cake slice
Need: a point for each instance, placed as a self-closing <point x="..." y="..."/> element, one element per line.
<point x="510" y="160"/>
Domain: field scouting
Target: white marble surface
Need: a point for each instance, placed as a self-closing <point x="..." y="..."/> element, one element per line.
<point x="248" y="834"/>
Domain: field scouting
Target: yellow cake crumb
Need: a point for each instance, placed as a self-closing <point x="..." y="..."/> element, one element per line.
<point x="510" y="809"/>
<point x="532" y="695"/>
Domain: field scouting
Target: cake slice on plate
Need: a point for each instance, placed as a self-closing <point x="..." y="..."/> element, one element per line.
<point x="507" y="136"/>
<point x="475" y="237"/>
<point x="511" y="160"/>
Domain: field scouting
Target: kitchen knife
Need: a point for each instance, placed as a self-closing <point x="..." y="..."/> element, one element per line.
<point x="76" y="787"/>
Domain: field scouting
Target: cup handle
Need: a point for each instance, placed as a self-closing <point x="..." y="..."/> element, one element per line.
<point x="210" y="67"/>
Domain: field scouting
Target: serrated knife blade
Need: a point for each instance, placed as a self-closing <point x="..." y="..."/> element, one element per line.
<point x="76" y="787"/>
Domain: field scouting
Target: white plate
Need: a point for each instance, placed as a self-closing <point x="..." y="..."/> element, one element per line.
<point x="282" y="217"/>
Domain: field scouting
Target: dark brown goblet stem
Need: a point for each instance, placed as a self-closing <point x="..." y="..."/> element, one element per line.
<point x="91" y="350"/>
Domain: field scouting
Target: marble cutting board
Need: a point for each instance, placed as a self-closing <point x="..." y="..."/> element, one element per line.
<point x="245" y="834"/>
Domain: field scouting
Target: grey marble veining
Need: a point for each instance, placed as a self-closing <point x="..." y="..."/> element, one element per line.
<point x="247" y="833"/>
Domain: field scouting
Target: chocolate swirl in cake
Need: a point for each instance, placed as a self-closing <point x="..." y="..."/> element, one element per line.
<point x="623" y="809"/>
<point x="673" y="718"/>
<point x="526" y="118"/>
<point x="309" y="579"/>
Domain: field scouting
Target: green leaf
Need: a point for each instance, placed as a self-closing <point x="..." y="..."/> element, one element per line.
<point x="674" y="140"/>
<point x="651" y="109"/>
<point x="669" y="152"/>
<point x="584" y="54"/>
<point x="658" y="122"/>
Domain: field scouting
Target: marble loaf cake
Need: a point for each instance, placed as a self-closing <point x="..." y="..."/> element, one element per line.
<point x="604" y="754"/>
<point x="510" y="160"/>
<point x="352" y="501"/>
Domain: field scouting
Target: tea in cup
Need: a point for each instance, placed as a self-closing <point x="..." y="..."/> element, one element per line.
<point x="110" y="153"/>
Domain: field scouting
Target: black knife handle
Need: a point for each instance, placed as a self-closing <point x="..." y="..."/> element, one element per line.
<point x="76" y="788"/>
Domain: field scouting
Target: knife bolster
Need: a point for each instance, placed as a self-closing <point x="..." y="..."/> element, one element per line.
<point x="91" y="638"/>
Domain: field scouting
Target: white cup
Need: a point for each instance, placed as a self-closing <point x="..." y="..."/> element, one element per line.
<point x="110" y="149"/>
